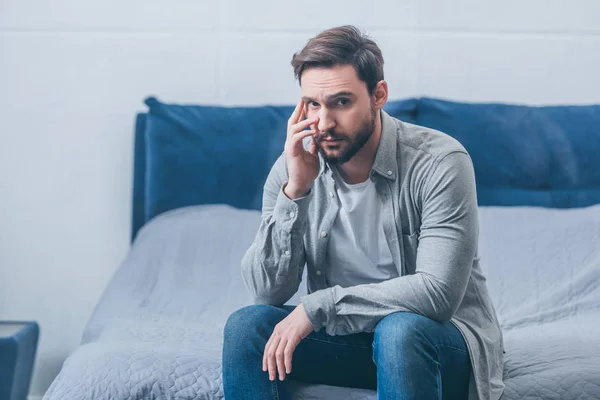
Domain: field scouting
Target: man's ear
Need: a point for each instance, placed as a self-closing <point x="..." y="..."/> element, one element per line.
<point x="380" y="94"/>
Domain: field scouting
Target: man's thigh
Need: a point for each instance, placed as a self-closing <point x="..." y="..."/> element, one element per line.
<point x="416" y="354"/>
<point x="348" y="360"/>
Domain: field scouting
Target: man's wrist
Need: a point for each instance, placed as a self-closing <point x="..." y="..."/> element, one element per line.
<point x="319" y="307"/>
<point x="293" y="192"/>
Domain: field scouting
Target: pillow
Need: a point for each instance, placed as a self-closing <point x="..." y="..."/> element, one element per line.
<point x="209" y="155"/>
<point x="543" y="156"/>
<point x="138" y="212"/>
<point x="199" y="154"/>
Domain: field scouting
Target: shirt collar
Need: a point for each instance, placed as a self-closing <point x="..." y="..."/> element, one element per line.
<point x="385" y="163"/>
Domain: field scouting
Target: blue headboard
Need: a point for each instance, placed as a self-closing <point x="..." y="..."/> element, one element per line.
<point x="138" y="214"/>
<point x="196" y="154"/>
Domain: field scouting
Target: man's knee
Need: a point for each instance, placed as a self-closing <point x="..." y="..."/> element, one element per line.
<point x="247" y="319"/>
<point x="398" y="335"/>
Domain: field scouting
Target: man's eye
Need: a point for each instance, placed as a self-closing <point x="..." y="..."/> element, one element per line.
<point x="313" y="104"/>
<point x="343" y="102"/>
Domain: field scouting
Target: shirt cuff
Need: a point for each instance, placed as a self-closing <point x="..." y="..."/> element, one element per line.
<point x="292" y="214"/>
<point x="320" y="308"/>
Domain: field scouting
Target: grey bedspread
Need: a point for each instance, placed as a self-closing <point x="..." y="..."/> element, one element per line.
<point x="157" y="330"/>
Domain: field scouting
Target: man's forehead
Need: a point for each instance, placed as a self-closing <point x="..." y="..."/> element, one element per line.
<point x="326" y="81"/>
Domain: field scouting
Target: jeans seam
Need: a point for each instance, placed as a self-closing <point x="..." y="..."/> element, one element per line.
<point x="337" y="344"/>
<point x="275" y="391"/>
<point x="437" y="347"/>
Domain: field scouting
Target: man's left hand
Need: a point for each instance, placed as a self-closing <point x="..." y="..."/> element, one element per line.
<point x="282" y="343"/>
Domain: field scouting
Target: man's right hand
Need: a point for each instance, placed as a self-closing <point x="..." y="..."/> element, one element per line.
<point x="302" y="165"/>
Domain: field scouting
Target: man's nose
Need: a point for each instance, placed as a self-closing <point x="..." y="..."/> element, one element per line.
<point x="326" y="122"/>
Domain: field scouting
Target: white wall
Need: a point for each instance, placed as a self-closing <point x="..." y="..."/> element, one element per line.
<point x="73" y="73"/>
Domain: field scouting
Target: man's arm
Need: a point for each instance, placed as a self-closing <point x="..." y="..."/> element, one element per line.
<point x="447" y="245"/>
<point x="272" y="267"/>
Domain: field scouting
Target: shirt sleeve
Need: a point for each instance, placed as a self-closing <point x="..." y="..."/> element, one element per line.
<point x="272" y="267"/>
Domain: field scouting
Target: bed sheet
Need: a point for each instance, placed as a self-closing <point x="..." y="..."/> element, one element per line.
<point x="157" y="330"/>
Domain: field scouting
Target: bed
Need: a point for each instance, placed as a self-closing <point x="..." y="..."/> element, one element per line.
<point x="156" y="332"/>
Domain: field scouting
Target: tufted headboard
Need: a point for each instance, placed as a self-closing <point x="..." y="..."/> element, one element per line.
<point x="195" y="154"/>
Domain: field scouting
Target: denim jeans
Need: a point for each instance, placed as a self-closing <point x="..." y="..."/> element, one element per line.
<point x="409" y="356"/>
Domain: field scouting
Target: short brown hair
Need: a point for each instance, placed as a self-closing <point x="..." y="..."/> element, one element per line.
<point x="343" y="45"/>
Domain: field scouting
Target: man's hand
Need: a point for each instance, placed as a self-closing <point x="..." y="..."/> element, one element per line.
<point x="286" y="336"/>
<point x="303" y="166"/>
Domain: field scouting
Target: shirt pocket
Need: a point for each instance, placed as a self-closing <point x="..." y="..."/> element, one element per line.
<point x="410" y="243"/>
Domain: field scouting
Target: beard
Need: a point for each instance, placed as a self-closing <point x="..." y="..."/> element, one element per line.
<point x="348" y="145"/>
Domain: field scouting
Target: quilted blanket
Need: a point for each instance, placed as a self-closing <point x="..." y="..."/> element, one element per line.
<point x="157" y="331"/>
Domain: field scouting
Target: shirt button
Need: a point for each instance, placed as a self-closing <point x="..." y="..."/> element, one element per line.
<point x="331" y="194"/>
<point x="319" y="273"/>
<point x="287" y="252"/>
<point x="389" y="172"/>
<point x="292" y="214"/>
<point x="323" y="234"/>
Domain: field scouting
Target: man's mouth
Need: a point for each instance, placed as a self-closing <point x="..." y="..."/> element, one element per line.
<point x="329" y="139"/>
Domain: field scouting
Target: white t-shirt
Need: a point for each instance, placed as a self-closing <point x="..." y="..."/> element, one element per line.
<point x="358" y="252"/>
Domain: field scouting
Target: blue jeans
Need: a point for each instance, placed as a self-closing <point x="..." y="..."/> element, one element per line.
<point x="409" y="356"/>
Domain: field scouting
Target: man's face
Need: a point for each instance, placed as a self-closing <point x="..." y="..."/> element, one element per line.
<point x="346" y="115"/>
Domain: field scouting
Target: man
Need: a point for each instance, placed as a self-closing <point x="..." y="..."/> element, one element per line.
<point x="384" y="216"/>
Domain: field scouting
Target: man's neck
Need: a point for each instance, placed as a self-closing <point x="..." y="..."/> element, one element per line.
<point x="357" y="169"/>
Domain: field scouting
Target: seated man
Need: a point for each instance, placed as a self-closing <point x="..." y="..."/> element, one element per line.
<point x="384" y="216"/>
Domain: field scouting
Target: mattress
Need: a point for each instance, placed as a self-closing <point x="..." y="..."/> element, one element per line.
<point x="156" y="333"/>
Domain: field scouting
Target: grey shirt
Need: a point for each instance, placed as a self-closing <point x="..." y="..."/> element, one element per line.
<point x="426" y="184"/>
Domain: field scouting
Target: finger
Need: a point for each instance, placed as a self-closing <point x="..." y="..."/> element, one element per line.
<point x="298" y="137"/>
<point x="288" y="353"/>
<point x="271" y="360"/>
<point x="296" y="114"/>
<point x="295" y="146"/>
<point x="302" y="113"/>
<point x="300" y="126"/>
<point x="265" y="352"/>
<point x="279" y="358"/>
<point x="264" y="361"/>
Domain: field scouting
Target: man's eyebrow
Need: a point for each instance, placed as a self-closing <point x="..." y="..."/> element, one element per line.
<point x="331" y="97"/>
<point x="339" y="94"/>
